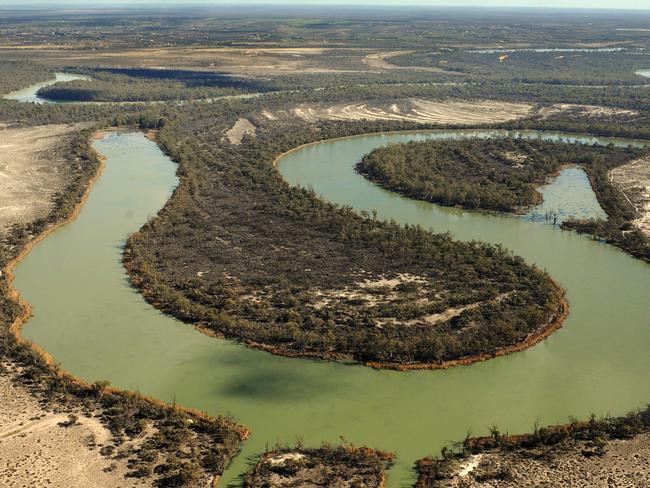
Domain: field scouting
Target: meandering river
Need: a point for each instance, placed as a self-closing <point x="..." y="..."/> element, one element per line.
<point x="91" y="321"/>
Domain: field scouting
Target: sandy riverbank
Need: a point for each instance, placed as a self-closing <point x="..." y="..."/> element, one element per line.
<point x="31" y="171"/>
<point x="633" y="180"/>
<point x="623" y="464"/>
<point x="39" y="448"/>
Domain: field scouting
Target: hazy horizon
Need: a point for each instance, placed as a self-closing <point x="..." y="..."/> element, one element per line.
<point x="553" y="4"/>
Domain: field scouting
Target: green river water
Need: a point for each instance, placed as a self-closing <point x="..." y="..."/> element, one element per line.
<point x="89" y="318"/>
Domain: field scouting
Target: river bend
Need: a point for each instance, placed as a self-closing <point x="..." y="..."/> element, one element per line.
<point x="91" y="321"/>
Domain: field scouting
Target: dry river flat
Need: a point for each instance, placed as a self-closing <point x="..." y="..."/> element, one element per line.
<point x="31" y="172"/>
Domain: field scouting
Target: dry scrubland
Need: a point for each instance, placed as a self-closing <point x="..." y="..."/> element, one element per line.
<point x="451" y="112"/>
<point x="625" y="464"/>
<point x="633" y="180"/>
<point x="31" y="171"/>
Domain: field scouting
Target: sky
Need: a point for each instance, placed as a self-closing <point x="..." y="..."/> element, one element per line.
<point x="619" y="4"/>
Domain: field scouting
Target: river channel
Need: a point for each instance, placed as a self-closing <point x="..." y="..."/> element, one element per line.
<point x="90" y="320"/>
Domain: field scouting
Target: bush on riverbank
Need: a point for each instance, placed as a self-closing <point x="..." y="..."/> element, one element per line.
<point x="585" y="438"/>
<point x="326" y="466"/>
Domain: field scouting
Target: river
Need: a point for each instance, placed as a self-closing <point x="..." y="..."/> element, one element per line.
<point x="29" y="94"/>
<point x="88" y="317"/>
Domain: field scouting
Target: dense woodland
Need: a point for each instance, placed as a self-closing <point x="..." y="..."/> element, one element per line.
<point x="118" y="85"/>
<point x="587" y="66"/>
<point x="496" y="174"/>
<point x="19" y="74"/>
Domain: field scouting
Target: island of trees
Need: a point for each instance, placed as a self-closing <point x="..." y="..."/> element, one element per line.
<point x="495" y="174"/>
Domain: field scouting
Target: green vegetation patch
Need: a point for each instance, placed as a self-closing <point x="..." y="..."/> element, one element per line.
<point x="15" y="75"/>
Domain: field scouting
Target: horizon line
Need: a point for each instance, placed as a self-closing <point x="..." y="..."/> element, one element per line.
<point x="45" y="4"/>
